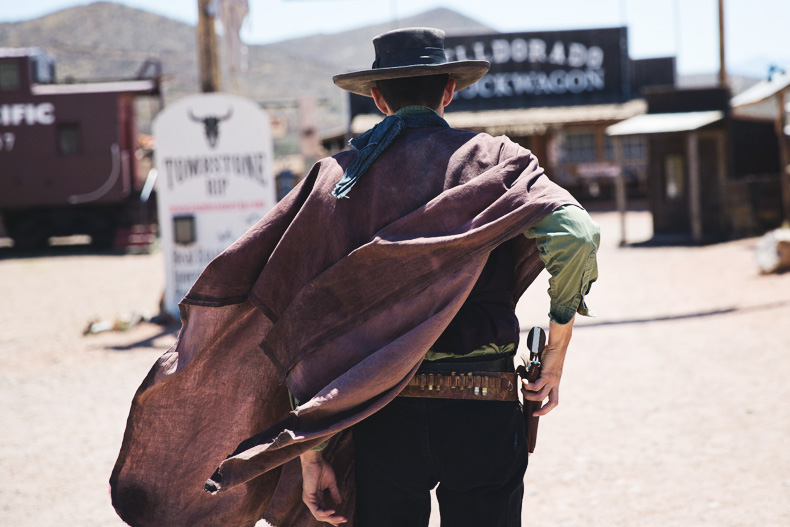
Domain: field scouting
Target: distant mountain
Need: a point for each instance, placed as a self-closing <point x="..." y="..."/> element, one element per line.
<point x="353" y="49"/>
<point x="107" y="40"/>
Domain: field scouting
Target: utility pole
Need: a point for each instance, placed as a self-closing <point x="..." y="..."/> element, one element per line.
<point x="723" y="67"/>
<point x="208" y="57"/>
<point x="784" y="155"/>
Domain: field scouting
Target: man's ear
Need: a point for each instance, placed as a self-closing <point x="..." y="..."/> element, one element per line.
<point x="381" y="104"/>
<point x="449" y="91"/>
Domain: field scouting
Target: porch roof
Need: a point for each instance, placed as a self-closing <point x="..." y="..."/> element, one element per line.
<point x="762" y="91"/>
<point x="660" y="123"/>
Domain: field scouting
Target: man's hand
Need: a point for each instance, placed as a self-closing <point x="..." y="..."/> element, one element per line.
<point x="318" y="477"/>
<point x="552" y="360"/>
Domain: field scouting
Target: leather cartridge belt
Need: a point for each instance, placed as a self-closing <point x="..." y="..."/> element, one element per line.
<point x="475" y="385"/>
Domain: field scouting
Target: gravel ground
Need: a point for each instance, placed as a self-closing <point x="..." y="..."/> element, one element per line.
<point x="673" y="411"/>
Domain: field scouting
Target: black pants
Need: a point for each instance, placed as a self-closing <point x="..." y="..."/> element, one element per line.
<point x="475" y="450"/>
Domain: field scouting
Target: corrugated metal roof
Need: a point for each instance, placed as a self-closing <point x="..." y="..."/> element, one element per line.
<point x="133" y="86"/>
<point x="524" y="122"/>
<point x="658" y="123"/>
<point x="762" y="91"/>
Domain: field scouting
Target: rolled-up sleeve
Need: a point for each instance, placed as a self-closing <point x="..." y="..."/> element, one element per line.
<point x="568" y="241"/>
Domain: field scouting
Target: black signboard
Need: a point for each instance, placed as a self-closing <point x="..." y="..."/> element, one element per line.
<point x="546" y="68"/>
<point x="651" y="72"/>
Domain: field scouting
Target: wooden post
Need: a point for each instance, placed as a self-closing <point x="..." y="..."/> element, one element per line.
<point x="208" y="57"/>
<point x="725" y="218"/>
<point x="784" y="157"/>
<point x="695" y="210"/>
<point x="723" y="67"/>
<point x="620" y="191"/>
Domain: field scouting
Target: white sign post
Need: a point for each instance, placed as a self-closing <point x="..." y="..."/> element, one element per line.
<point x="215" y="180"/>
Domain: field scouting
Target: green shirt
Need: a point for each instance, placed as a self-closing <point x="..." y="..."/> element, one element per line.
<point x="567" y="241"/>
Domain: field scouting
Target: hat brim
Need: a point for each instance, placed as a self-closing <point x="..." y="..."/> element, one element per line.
<point x="464" y="72"/>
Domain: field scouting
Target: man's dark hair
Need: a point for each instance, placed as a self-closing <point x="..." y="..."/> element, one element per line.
<point x="424" y="91"/>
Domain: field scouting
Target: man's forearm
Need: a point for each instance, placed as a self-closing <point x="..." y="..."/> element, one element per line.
<point x="557" y="344"/>
<point x="311" y="456"/>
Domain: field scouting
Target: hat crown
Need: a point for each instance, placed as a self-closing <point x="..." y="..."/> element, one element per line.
<point x="409" y="47"/>
<point x="411" y="52"/>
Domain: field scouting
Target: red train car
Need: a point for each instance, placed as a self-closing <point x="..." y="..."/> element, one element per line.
<point x="67" y="153"/>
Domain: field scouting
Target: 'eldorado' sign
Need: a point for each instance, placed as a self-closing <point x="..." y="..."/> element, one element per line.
<point x="548" y="68"/>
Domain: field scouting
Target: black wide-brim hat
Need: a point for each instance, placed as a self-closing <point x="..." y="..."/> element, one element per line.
<point x="411" y="52"/>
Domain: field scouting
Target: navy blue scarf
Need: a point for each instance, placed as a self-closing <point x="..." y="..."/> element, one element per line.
<point x="373" y="142"/>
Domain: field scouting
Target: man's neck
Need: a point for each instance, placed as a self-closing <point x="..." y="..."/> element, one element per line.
<point x="416" y="108"/>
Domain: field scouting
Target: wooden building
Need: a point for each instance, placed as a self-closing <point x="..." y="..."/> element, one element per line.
<point x="712" y="174"/>
<point x="556" y="93"/>
<point x="570" y="142"/>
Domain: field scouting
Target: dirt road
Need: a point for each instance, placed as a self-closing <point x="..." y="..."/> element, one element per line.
<point x="673" y="411"/>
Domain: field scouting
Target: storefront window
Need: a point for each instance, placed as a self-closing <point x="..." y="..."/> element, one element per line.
<point x="634" y="148"/>
<point x="578" y="148"/>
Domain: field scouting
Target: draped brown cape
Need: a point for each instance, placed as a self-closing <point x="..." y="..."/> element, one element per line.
<point x="336" y="300"/>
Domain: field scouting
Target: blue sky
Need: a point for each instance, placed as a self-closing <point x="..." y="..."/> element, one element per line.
<point x="756" y="30"/>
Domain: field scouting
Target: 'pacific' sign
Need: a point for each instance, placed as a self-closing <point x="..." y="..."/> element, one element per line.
<point x="29" y="114"/>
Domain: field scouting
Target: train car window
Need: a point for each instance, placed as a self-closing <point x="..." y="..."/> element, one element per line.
<point x="69" y="139"/>
<point x="42" y="70"/>
<point x="9" y="76"/>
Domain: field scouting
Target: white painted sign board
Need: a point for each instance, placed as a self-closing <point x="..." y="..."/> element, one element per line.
<point x="215" y="180"/>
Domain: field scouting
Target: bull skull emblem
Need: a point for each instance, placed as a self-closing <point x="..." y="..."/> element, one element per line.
<point x="211" y="125"/>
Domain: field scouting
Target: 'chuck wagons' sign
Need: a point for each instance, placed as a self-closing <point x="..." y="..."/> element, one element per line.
<point x="548" y="68"/>
<point x="214" y="159"/>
